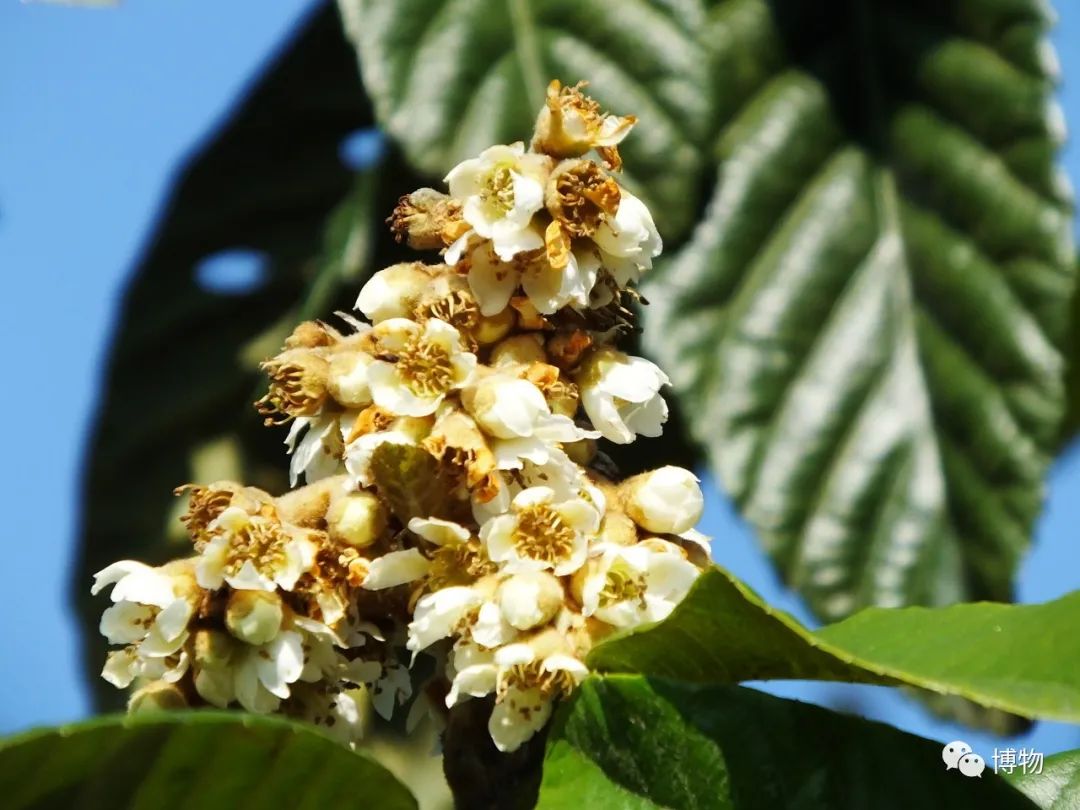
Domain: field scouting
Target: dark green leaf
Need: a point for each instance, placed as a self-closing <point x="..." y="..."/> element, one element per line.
<point x="407" y="477"/>
<point x="866" y="329"/>
<point x="628" y="742"/>
<point x="449" y="79"/>
<point x="190" y="759"/>
<point x="1023" y="659"/>
<point x="1056" y="787"/>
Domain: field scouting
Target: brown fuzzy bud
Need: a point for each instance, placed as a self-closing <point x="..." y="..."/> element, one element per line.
<point x="565" y="348"/>
<point x="427" y="220"/>
<point x="157" y="696"/>
<point x="311" y="335"/>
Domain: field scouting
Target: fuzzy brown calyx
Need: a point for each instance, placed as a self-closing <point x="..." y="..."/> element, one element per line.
<point x="298" y="386"/>
<point x="427" y="220"/>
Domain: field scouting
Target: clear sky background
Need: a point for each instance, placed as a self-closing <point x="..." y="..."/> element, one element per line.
<point x="96" y="110"/>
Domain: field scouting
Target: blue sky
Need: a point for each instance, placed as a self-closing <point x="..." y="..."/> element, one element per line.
<point x="98" y="108"/>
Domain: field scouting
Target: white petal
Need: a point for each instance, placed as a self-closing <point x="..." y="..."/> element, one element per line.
<point x="519" y="715"/>
<point x="492" y="282"/>
<point x="121" y="667"/>
<point x="491" y="629"/>
<point x="147" y="587"/>
<point x="438" y="531"/>
<point x="114" y="573"/>
<point x="250" y="692"/>
<point x="124" y="622"/>
<point x="396" y="568"/>
<point x="283" y="665"/>
<point x="437" y="615"/>
<point x="389" y="391"/>
<point x="474" y="681"/>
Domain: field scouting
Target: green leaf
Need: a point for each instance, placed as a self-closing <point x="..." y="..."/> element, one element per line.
<point x="1023" y="659"/>
<point x="637" y="743"/>
<point x="183" y="370"/>
<point x="1056" y="787"/>
<point x="190" y="759"/>
<point x="450" y="78"/>
<point x="407" y="477"/>
<point x="866" y="329"/>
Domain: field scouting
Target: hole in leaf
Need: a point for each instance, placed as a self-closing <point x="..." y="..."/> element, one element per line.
<point x="363" y="148"/>
<point x="236" y="271"/>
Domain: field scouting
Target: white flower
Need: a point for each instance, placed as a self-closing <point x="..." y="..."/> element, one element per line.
<point x="422" y="365"/>
<point x="631" y="234"/>
<point x="347" y="378"/>
<point x="500" y="191"/>
<point x="493" y="281"/>
<point x="628" y="585"/>
<point x="396" y="568"/>
<point x="665" y="501"/>
<point x="621" y="395"/>
<point x="526" y="679"/>
<point x="151" y="611"/>
<point x="394" y="291"/>
<point x="540" y="533"/>
<point x="262" y="674"/>
<point x="252" y="552"/>
<point x="318" y="455"/>
<point x="440" y="614"/>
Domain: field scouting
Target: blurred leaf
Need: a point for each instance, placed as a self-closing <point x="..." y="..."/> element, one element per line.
<point x="450" y="79"/>
<point x="182" y="375"/>
<point x="1057" y="787"/>
<point x="182" y="759"/>
<point x="1072" y="418"/>
<point x="628" y="742"/>
<point x="866" y="329"/>
<point x="407" y="477"/>
<point x="1023" y="659"/>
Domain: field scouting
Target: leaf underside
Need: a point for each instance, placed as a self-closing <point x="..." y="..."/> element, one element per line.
<point x="629" y="742"/>
<point x="190" y="760"/>
<point x="1056" y="787"/>
<point x="865" y="330"/>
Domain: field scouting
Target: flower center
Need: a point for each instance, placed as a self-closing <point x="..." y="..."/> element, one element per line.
<point x="459" y="309"/>
<point x="262" y="542"/>
<point x="621" y="585"/>
<point x="296" y="389"/>
<point x="585" y="196"/>
<point x="204" y="505"/>
<point x="542" y="535"/>
<point x="498" y="196"/>
<point x="426" y="368"/>
<point x="552" y="684"/>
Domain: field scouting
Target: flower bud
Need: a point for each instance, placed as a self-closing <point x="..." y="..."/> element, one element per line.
<point x="505" y="407"/>
<point x="311" y="335"/>
<point x="665" y="501"/>
<point x="157" y="696"/>
<point x="212" y="648"/>
<point x="493" y="328"/>
<point x="348" y="382"/>
<point x="356" y="518"/>
<point x="530" y="599"/>
<point x="394" y="292"/>
<point x="617" y="529"/>
<point x="519" y="349"/>
<point x="570" y="124"/>
<point x="254" y="617"/>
